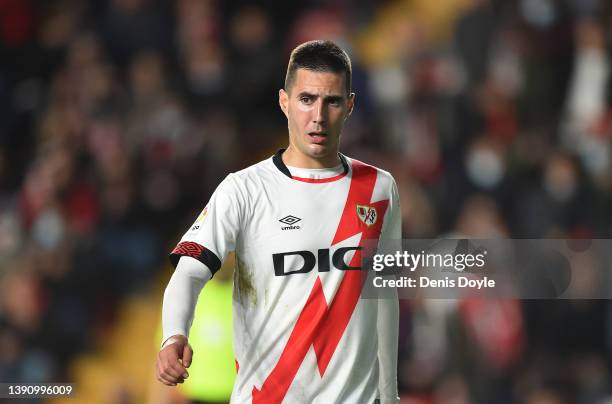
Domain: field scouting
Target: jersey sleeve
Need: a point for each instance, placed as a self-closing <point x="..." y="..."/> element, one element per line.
<point x="213" y="234"/>
<point x="388" y="311"/>
<point x="392" y="227"/>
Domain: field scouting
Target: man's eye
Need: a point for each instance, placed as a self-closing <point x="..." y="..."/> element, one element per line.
<point x="305" y="100"/>
<point x="335" y="103"/>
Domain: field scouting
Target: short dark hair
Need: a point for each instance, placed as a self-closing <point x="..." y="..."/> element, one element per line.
<point x="319" y="56"/>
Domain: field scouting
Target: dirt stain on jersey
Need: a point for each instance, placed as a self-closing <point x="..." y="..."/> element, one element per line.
<point x="243" y="279"/>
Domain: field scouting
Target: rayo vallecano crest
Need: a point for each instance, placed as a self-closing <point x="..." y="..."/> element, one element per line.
<point x="367" y="214"/>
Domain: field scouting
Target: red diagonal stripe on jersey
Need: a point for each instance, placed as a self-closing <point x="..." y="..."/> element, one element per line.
<point x="360" y="193"/>
<point x="313" y="325"/>
<point x="347" y="296"/>
<point x="276" y="385"/>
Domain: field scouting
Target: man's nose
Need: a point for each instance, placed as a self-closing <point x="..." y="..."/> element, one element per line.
<point x="319" y="112"/>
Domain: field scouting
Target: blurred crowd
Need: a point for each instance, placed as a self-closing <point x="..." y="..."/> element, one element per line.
<point x="119" y="117"/>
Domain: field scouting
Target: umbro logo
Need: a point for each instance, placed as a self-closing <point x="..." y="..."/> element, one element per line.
<point x="290" y="221"/>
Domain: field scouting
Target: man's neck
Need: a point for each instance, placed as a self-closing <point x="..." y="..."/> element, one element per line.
<point x="295" y="159"/>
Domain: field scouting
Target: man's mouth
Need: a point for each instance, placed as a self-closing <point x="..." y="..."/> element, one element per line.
<point x="318" y="137"/>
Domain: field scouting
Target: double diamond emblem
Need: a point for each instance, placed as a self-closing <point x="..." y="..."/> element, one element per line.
<point x="290" y="220"/>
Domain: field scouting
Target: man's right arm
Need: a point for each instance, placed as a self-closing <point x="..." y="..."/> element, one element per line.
<point x="178" y="310"/>
<point x="197" y="257"/>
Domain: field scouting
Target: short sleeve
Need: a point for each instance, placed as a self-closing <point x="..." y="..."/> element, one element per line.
<point x="213" y="234"/>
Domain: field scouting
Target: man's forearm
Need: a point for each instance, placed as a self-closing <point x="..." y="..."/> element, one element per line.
<point x="181" y="296"/>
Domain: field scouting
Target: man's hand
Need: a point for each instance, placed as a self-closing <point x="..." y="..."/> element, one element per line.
<point x="173" y="360"/>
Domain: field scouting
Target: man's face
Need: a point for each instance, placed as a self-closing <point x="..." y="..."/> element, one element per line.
<point x="316" y="107"/>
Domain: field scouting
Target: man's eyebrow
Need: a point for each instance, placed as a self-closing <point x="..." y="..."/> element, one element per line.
<point x="307" y="94"/>
<point x="327" y="98"/>
<point x="334" y="98"/>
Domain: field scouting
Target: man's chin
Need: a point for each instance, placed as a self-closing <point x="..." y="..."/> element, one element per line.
<point x="319" y="150"/>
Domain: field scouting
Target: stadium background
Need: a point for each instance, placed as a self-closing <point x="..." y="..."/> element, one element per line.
<point x="119" y="117"/>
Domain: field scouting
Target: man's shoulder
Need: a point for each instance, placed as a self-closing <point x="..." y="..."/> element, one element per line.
<point x="382" y="175"/>
<point x="253" y="171"/>
<point x="240" y="184"/>
<point x="248" y="178"/>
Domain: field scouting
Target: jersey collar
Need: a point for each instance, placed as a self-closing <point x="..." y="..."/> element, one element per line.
<point x="278" y="162"/>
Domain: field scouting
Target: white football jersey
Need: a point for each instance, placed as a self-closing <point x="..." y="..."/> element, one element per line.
<point x="301" y="332"/>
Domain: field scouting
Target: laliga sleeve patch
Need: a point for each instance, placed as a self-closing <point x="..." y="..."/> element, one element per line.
<point x="199" y="221"/>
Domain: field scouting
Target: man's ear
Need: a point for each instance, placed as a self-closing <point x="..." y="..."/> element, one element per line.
<point x="283" y="101"/>
<point x="350" y="104"/>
